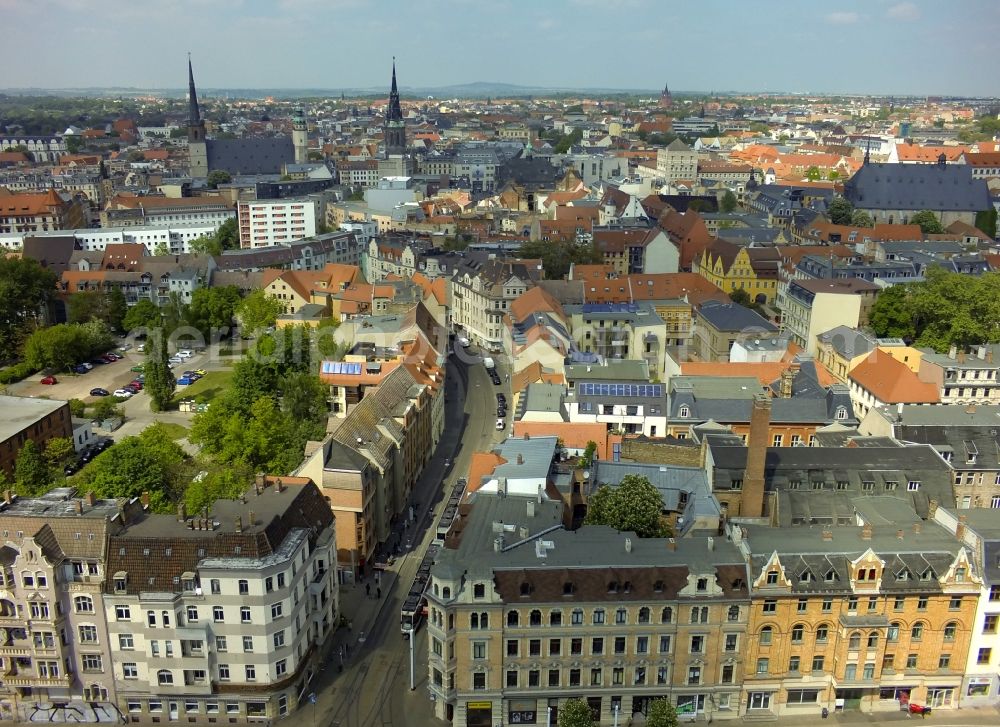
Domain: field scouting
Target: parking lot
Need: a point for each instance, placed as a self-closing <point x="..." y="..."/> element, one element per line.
<point x="77" y="386"/>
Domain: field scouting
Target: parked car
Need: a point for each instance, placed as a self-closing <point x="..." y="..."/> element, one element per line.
<point x="920" y="709"/>
<point x="200" y="372"/>
<point x="97" y="361"/>
<point x="87" y="366"/>
<point x="501" y="399"/>
<point x="124" y="393"/>
<point x="175" y="361"/>
<point x="99" y="392"/>
<point x="49" y="380"/>
<point x="104" y="443"/>
<point x="141" y="348"/>
<point x="114" y="356"/>
<point x="138" y="368"/>
<point x="501" y="411"/>
<point x="184" y="381"/>
<point x="81" y="369"/>
<point x="141" y="378"/>
<point x="184" y="354"/>
<point x="501" y="425"/>
<point x="69" y="469"/>
<point x="135" y="383"/>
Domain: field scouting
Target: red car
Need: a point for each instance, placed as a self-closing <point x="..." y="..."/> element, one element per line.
<point x="919" y="709"/>
<point x="136" y="384"/>
<point x="49" y="380"/>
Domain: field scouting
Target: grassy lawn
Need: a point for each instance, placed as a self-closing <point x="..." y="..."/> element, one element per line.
<point x="206" y="388"/>
<point x="175" y="431"/>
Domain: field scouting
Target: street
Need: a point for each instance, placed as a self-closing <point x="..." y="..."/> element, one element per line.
<point x="373" y="689"/>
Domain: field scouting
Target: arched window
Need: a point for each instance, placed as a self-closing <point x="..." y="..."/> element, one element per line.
<point x="734" y="613"/>
<point x="917" y="632"/>
<point x="797" y="631"/>
<point x="855" y="640"/>
<point x="555" y="618"/>
<point x="841" y="412"/>
<point x="83" y="604"/>
<point x="766" y="635"/>
<point x="621" y="616"/>
<point x="446" y="592"/>
<point x="822" y="633"/>
<point x="644" y="615"/>
<point x="535" y="619"/>
<point x="873" y="640"/>
<point x="484" y="620"/>
<point x="684" y="412"/>
<point x="666" y="615"/>
<point x="950" y="629"/>
<point x="893" y="633"/>
<point x="474" y="621"/>
<point x="164" y="676"/>
<point x="513" y="618"/>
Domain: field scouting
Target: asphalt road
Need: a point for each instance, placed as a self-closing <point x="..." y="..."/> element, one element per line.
<point x="373" y="688"/>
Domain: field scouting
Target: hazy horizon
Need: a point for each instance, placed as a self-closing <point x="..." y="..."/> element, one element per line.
<point x="857" y="47"/>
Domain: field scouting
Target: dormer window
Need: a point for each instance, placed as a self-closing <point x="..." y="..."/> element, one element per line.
<point x="702" y="584"/>
<point x="841" y="413"/>
<point x="568" y="588"/>
<point x="903" y="575"/>
<point x="806" y="577"/>
<point x="613" y="587"/>
<point x="772" y="577"/>
<point x="525" y="589"/>
<point x="658" y="587"/>
<point x="685" y="412"/>
<point x="831" y="576"/>
<point x="927" y="575"/>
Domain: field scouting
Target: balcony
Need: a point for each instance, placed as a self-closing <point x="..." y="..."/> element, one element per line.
<point x="61" y="682"/>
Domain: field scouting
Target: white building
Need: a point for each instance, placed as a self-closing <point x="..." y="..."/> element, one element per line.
<point x="267" y="222"/>
<point x="174" y="239"/>
<point x="221" y="618"/>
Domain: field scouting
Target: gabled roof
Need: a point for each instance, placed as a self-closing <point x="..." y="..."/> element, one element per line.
<point x="936" y="187"/>
<point x="891" y="381"/>
<point x="535" y="300"/>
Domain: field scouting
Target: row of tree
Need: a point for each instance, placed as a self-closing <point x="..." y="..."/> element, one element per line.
<point x="943" y="310"/>
<point x="577" y="713"/>
<point x="63" y="345"/>
<point x="36" y="468"/>
<point x="26" y="291"/>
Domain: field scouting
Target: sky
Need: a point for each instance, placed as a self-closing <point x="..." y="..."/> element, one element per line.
<point x="938" y="47"/>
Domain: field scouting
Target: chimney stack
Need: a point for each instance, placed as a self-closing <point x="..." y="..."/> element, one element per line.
<point x="952" y="352"/>
<point x="144" y="499"/>
<point x="899" y="534"/>
<point x="753" y="474"/>
<point x="279" y="486"/>
<point x="527" y="435"/>
<point x="785" y="386"/>
<point x="628" y="545"/>
<point x="932" y="507"/>
<point x="181" y="512"/>
<point x="866" y="532"/>
<point x="828" y="535"/>
<point x="520" y="459"/>
<point x="711" y="543"/>
<point x="239" y="523"/>
<point x="79" y="506"/>
<point x="916" y="528"/>
<point x="90" y="498"/>
<point x="961" y="357"/>
<point x="989" y="355"/>
<point x="251" y="519"/>
<point x="960" y="528"/>
<point x="671" y="544"/>
<point x="259" y="481"/>
<point x="8" y="496"/>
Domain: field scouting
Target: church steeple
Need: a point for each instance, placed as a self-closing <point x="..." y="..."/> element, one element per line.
<point x="395" y="127"/>
<point x="196" y="127"/>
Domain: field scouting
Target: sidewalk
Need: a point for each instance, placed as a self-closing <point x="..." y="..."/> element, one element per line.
<point x="943" y="716"/>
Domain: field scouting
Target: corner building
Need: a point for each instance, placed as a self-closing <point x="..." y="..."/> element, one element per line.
<point x="863" y="617"/>
<point x="220" y="618"/>
<point x="524" y="614"/>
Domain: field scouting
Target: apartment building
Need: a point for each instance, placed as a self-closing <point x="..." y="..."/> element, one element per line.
<point x="482" y="291"/>
<point x="717" y="326"/>
<point x="677" y="161"/>
<point x="964" y="376"/>
<point x="220" y="616"/>
<point x="55" y="645"/>
<point x="40" y="211"/>
<point x="266" y="222"/>
<point x="29" y="418"/>
<point x="620" y="331"/>
<point x="127" y="210"/>
<point x="979" y="530"/>
<point x="524" y="614"/>
<point x="811" y="307"/>
<point x="861" y="617"/>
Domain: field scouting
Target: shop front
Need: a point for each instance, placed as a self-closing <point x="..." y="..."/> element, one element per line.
<point x="479" y="714"/>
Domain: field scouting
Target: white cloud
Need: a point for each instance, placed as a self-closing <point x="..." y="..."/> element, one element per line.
<point x="844" y="18"/>
<point x="903" y="11"/>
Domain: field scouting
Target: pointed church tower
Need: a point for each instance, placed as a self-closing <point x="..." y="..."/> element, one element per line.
<point x="666" y="100"/>
<point x="197" y="143"/>
<point x="395" y="127"/>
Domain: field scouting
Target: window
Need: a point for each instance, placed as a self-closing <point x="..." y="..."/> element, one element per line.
<point x="123" y="613"/>
<point x="223" y="672"/>
<point x="817" y="664"/>
<point x="245" y="614"/>
<point x="533" y="678"/>
<point x="220" y="644"/>
<point x="251" y="672"/>
<point x="950" y="630"/>
<point x="88" y="634"/>
<point x="990" y="623"/>
<point x="164" y="677"/>
<point x="125" y="642"/>
<point x="917" y="632"/>
<point x="244" y="587"/>
<point x="577" y="617"/>
<point x="218" y="614"/>
<point x="512" y="618"/>
<point x="599" y="616"/>
<point x="854" y="643"/>
<point x="479" y="591"/>
<point x="576" y="647"/>
<point x="821" y="633"/>
<point x="276" y="610"/>
<point x="944" y="661"/>
<point x="535" y="647"/>
<point x="83" y="604"/>
<point x="554" y="677"/>
<point x="619" y="644"/>
<point x="643" y="615"/>
<point x="478" y="649"/>
<point x="955" y="604"/>
<point x="850" y="672"/>
<point x="727" y="674"/>
<point x="697" y="644"/>
<point x="802" y="696"/>
<point x="766" y="634"/>
<point x="983" y="657"/>
<point x="621" y="616"/>
<point x="511" y="678"/>
<point x="596" y="677"/>
<point x="597" y="646"/>
<point x="666" y="615"/>
<point x="778" y="439"/>
<point x="130" y="670"/>
<point x="192" y="614"/>
<point x="92" y="662"/>
<point x="852" y="603"/>
<point x="642" y="645"/>
<point x="869" y="671"/>
<point x="215" y="587"/>
<point x="803" y="605"/>
<point x="664" y="643"/>
<point x="248" y="643"/>
<point x="694" y="675"/>
<point x="555" y="618"/>
<point x="279" y="639"/>
<point x="770" y="605"/>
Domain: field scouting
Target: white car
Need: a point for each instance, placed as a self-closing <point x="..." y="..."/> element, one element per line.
<point x="175" y="360"/>
<point x="501" y="425"/>
<point x="185" y="354"/>
<point x="123" y="393"/>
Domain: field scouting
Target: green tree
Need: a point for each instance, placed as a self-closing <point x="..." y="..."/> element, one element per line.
<point x="860" y="218"/>
<point x="576" y="713"/>
<point x="265" y="439"/>
<point x="252" y="379"/>
<point x="77" y="408"/>
<point x="634" y="505"/>
<point x="160" y="382"/>
<point x="26" y="289"/>
<point x="58" y="452"/>
<point x="117" y="308"/>
<point x="85" y="305"/>
<point x="568" y="140"/>
<point x="928" y="221"/>
<point x="61" y="346"/>
<point x="840" y="211"/>
<point x="213" y="308"/>
<point x="986" y="221"/>
<point x="728" y="203"/>
<point x="304" y="400"/>
<point x="144" y="314"/>
<point x="205" y="489"/>
<point x="813" y="174"/>
<point x="105" y="408"/>
<point x="31" y="471"/>
<point x="205" y="245"/>
<point x="891" y="316"/>
<point x="315" y="156"/>
<point x="257" y="311"/>
<point x="557" y="257"/>
<point x="73" y="144"/>
<point x="661" y="713"/>
<point x="161" y="249"/>
<point x="217" y="177"/>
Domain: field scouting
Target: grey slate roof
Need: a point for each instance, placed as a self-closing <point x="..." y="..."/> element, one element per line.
<point x="250" y="156"/>
<point x="730" y="317"/>
<point x="848" y="342"/>
<point x="937" y="187"/>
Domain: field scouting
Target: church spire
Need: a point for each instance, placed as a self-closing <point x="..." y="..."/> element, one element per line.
<point x="194" y="114"/>
<point x="394" y="112"/>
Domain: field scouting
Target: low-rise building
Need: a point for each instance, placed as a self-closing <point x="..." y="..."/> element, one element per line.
<point x="40" y="211"/>
<point x="811" y="307"/>
<point x="717" y="326"/>
<point x="28" y="418"/>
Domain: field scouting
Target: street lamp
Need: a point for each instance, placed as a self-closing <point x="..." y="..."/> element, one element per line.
<point x="410" y="632"/>
<point x="615" y="707"/>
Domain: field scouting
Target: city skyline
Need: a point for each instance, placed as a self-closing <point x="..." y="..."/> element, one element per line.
<point x="563" y="45"/>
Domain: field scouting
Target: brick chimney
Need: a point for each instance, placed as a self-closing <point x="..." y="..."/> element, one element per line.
<point x="181" y="512"/>
<point x="828" y="535"/>
<point x="787" y="378"/>
<point x="671" y="544"/>
<point x="866" y="532"/>
<point x="753" y="475"/>
<point x="89" y="498"/>
<point x="960" y="528"/>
